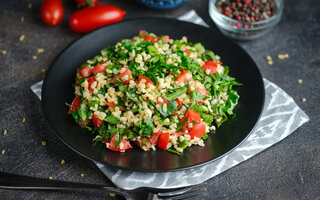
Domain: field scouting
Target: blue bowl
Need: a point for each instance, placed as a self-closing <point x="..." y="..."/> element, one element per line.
<point x="162" y="4"/>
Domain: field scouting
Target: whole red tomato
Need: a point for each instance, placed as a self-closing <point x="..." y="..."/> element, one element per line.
<point x="52" y="11"/>
<point x="91" y="18"/>
<point x="86" y="3"/>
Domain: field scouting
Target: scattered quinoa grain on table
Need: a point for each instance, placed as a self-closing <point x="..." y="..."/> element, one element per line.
<point x="43" y="143"/>
<point x="29" y="5"/>
<point x="268" y="58"/>
<point x="22" y="19"/>
<point x="34" y="57"/>
<point x="304" y="100"/>
<point x="50" y="177"/>
<point x="300" y="81"/>
<point x="21" y="38"/>
<point x="63" y="162"/>
<point x="283" y="56"/>
<point x="270" y="62"/>
<point x="3" y="151"/>
<point x="5" y="132"/>
<point x="4" y="52"/>
<point x="23" y="120"/>
<point x="82" y="174"/>
<point x="112" y="194"/>
<point x="43" y="70"/>
<point x="40" y="50"/>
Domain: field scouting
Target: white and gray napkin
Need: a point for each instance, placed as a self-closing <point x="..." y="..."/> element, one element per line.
<point x="281" y="116"/>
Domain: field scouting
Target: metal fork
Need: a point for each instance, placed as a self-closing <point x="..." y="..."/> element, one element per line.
<point x="13" y="181"/>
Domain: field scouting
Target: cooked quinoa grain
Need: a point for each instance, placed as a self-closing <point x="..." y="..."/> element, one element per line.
<point x="21" y="38"/>
<point x="153" y="91"/>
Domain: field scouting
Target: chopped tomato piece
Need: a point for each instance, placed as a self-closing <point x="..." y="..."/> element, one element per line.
<point x="147" y="141"/>
<point x="91" y="80"/>
<point x="113" y="80"/>
<point x="184" y="76"/>
<point x="123" y="145"/>
<point x="148" y="38"/>
<point x="165" y="37"/>
<point x="121" y="76"/>
<point x="164" y="101"/>
<point x="190" y="117"/>
<point x="147" y="80"/>
<point x="99" y="68"/>
<point x="197" y="130"/>
<point x="187" y="52"/>
<point x="179" y="103"/>
<point x="86" y="72"/>
<point x="163" y="140"/>
<point x="142" y="33"/>
<point x="203" y="91"/>
<point x="75" y="105"/>
<point x="111" y="104"/>
<point x="211" y="65"/>
<point x="96" y="121"/>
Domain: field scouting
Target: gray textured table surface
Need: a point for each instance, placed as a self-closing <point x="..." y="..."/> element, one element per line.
<point x="288" y="170"/>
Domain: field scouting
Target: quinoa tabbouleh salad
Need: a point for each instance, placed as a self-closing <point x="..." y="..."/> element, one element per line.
<point x="153" y="91"/>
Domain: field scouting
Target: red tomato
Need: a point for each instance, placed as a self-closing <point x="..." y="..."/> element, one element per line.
<point x="211" y="65"/>
<point x="197" y="130"/>
<point x="165" y="37"/>
<point x="187" y="52"/>
<point x="163" y="140"/>
<point x="179" y="103"/>
<point x="86" y="72"/>
<point x="190" y="117"/>
<point x="121" y="75"/>
<point x="86" y="3"/>
<point x="147" y="80"/>
<point x="124" y="144"/>
<point x="184" y="76"/>
<point x="96" y="121"/>
<point x="164" y="101"/>
<point x="111" y="104"/>
<point x="91" y="18"/>
<point x="148" y="141"/>
<point x="203" y="91"/>
<point x="148" y="38"/>
<point x="52" y="11"/>
<point x="99" y="68"/>
<point x="90" y="81"/>
<point x="75" y="105"/>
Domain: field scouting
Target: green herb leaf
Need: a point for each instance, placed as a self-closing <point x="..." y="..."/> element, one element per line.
<point x="111" y="119"/>
<point x="82" y="111"/>
<point x="76" y="116"/>
<point x="175" y="93"/>
<point x="152" y="50"/>
<point x="184" y="144"/>
<point x="173" y="151"/>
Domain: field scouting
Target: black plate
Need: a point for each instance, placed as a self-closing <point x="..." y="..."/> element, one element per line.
<point x="57" y="90"/>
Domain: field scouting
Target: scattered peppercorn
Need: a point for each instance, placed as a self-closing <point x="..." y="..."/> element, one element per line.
<point x="300" y="81"/>
<point x="247" y="10"/>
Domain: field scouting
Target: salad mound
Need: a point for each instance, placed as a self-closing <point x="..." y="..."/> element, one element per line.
<point x="153" y="91"/>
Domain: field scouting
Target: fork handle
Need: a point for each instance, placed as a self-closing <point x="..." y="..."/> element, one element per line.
<point x="13" y="181"/>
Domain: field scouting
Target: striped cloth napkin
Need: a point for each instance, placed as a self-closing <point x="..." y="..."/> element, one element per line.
<point x="281" y="116"/>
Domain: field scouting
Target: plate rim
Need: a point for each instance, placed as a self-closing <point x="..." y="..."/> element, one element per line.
<point x="148" y="170"/>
